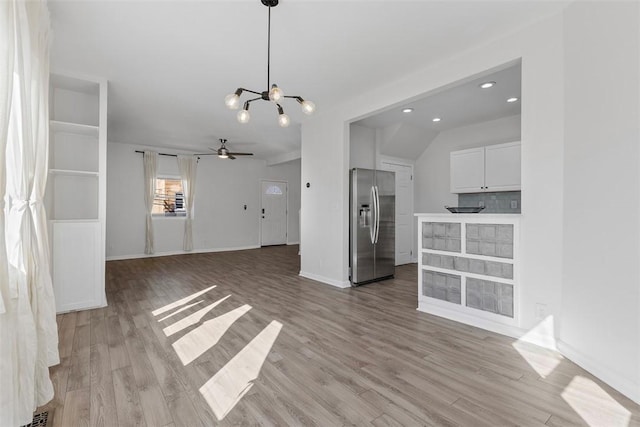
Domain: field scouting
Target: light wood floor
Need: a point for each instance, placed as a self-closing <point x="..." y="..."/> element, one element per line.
<point x="360" y="356"/>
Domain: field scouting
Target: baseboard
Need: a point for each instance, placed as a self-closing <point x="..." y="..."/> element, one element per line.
<point x="293" y="243"/>
<point x="621" y="383"/>
<point x="171" y="253"/>
<point x="328" y="281"/>
<point x="498" y="328"/>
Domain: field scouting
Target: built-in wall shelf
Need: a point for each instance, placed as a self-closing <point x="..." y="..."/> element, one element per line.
<point x="468" y="269"/>
<point x="72" y="172"/>
<point x="74" y="128"/>
<point x="75" y="197"/>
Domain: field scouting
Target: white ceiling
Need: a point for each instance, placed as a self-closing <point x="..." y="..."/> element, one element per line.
<point x="457" y="106"/>
<point x="171" y="63"/>
<point x="407" y="135"/>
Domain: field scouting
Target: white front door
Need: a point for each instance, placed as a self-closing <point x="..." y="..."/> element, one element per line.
<point x="273" y="215"/>
<point x="404" y="210"/>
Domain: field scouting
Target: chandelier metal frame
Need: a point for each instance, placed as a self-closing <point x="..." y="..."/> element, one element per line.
<point x="273" y="93"/>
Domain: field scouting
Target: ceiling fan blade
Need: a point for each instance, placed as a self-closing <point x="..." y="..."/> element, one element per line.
<point x="241" y="154"/>
<point x="231" y="156"/>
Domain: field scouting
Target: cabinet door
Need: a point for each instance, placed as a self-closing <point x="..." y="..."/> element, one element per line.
<point x="76" y="266"/>
<point x="502" y="167"/>
<point x="467" y="170"/>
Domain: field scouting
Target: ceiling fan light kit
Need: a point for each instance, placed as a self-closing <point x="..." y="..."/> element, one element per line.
<point x="273" y="93"/>
<point x="223" y="152"/>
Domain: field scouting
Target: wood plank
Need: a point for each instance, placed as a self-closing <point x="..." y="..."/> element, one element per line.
<point x="183" y="412"/>
<point x="360" y="356"/>
<point x="117" y="350"/>
<point x="79" y="370"/>
<point x="76" y="408"/>
<point x="127" y="398"/>
<point x="154" y="406"/>
<point x="103" y="401"/>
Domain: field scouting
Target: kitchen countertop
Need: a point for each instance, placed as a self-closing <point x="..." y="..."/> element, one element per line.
<point x="479" y="216"/>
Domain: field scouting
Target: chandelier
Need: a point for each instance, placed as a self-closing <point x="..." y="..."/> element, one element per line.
<point x="273" y="92"/>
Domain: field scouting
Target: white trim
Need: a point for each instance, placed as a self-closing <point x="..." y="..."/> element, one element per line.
<point x="624" y="384"/>
<point x="328" y="281"/>
<point x="383" y="163"/>
<point x="170" y="253"/>
<point x="80" y="306"/>
<point x="394" y="160"/>
<point x="286" y="209"/>
<point x="293" y="243"/>
<point x="472" y="320"/>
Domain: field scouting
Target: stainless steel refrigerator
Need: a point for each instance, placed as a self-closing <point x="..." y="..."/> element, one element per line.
<point x="372" y="230"/>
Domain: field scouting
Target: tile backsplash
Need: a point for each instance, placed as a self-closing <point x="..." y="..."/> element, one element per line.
<point x="499" y="202"/>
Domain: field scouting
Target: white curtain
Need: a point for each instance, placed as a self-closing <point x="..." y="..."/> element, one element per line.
<point x="28" y="330"/>
<point x="150" y="159"/>
<point x="187" y="166"/>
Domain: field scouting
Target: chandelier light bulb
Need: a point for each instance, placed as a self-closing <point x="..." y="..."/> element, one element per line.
<point x="232" y="101"/>
<point x="275" y="93"/>
<point x="283" y="120"/>
<point x="243" y="116"/>
<point x="308" y="107"/>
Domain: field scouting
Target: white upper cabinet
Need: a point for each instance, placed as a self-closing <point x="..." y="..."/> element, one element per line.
<point x="502" y="167"/>
<point x="486" y="169"/>
<point x="467" y="171"/>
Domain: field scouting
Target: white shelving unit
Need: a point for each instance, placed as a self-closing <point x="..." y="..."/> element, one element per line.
<point x="468" y="269"/>
<point x="76" y="190"/>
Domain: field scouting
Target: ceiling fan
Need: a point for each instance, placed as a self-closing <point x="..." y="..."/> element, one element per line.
<point x="224" y="153"/>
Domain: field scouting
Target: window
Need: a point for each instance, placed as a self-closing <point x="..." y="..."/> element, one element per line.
<point x="169" y="200"/>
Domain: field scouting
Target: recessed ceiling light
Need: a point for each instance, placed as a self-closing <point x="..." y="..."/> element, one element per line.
<point x="436" y="119"/>
<point x="487" y="85"/>
<point x="512" y="99"/>
<point x="407" y="110"/>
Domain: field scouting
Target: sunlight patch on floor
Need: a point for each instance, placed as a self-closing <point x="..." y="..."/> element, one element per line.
<point x="225" y="389"/>
<point x="186" y="307"/>
<point x="542" y="360"/>
<point x="594" y="405"/>
<point x="180" y="302"/>
<point x="191" y="319"/>
<point x="196" y="342"/>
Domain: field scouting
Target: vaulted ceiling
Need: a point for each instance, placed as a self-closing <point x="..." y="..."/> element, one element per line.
<point x="171" y="63"/>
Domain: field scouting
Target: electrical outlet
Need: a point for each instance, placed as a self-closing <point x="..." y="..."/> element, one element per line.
<point x="541" y="311"/>
<point x="514" y="204"/>
<point x="481" y="204"/>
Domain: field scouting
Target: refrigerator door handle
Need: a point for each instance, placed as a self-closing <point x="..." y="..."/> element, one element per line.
<point x="377" y="213"/>
<point x="374" y="211"/>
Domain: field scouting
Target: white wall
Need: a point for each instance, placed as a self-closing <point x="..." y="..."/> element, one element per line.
<point x="600" y="321"/>
<point x="362" y="147"/>
<point x="223" y="187"/>
<point x="431" y="170"/>
<point x="598" y="251"/>
<point x="325" y="136"/>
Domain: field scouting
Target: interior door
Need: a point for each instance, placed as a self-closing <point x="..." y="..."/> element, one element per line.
<point x="403" y="211"/>
<point x="273" y="229"/>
